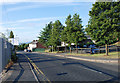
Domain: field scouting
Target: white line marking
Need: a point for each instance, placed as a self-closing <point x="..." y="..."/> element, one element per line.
<point x="33" y="73"/>
<point x="93" y="70"/>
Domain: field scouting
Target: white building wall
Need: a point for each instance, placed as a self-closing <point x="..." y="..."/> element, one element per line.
<point x="31" y="46"/>
<point x="72" y="43"/>
<point x="63" y="44"/>
<point x="14" y="41"/>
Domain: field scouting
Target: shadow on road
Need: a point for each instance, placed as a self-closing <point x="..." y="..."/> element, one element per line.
<point x="92" y="67"/>
<point x="114" y="78"/>
<point x="20" y="74"/>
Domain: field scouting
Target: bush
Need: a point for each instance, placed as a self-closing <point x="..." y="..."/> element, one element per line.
<point x="50" y="50"/>
<point x="14" y="58"/>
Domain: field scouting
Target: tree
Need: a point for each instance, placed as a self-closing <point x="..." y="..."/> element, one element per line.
<point x="50" y="36"/>
<point x="25" y="46"/>
<point x="77" y="31"/>
<point x="56" y="34"/>
<point x="63" y="37"/>
<point x="104" y="22"/>
<point x="44" y="37"/>
<point x="11" y="35"/>
<point x="68" y="29"/>
<point x="74" y="30"/>
<point x="22" y="46"/>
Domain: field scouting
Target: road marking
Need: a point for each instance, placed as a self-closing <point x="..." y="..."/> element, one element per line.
<point x="93" y="70"/>
<point x="33" y="73"/>
<point x="36" y="68"/>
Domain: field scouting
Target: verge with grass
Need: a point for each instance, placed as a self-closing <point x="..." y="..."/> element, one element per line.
<point x="101" y="55"/>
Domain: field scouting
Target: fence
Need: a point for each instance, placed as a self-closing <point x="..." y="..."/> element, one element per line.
<point x="5" y="53"/>
<point x="112" y="48"/>
<point x="39" y="50"/>
<point x="82" y="50"/>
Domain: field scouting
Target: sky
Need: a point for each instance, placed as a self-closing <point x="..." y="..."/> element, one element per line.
<point x="27" y="18"/>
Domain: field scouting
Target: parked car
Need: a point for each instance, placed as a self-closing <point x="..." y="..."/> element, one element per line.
<point x="29" y="51"/>
<point x="95" y="50"/>
<point x="25" y="50"/>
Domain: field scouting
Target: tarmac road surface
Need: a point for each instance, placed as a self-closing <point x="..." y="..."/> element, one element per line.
<point x="37" y="67"/>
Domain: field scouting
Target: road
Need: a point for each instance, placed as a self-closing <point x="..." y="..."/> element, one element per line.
<point x="36" y="67"/>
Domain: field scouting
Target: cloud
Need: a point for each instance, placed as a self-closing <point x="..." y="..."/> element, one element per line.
<point x="36" y="5"/>
<point x="8" y="1"/>
<point x="34" y="20"/>
<point x="16" y="28"/>
<point x="21" y="7"/>
<point x="3" y="29"/>
<point x="46" y="1"/>
<point x="50" y="1"/>
<point x="27" y="24"/>
<point x="19" y="1"/>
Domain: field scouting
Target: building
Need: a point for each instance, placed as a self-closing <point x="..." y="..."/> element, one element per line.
<point x="14" y="41"/>
<point x="72" y="44"/>
<point x="35" y="45"/>
<point x="87" y="43"/>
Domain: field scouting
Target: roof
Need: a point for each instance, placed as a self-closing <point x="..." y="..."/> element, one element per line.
<point x="34" y="42"/>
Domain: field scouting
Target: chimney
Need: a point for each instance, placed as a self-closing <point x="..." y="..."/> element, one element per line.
<point x="33" y="40"/>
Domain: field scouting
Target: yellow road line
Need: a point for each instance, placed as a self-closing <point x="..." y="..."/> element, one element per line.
<point x="36" y="68"/>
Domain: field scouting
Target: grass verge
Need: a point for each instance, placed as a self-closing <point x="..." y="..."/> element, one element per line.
<point x="55" y="52"/>
<point x="101" y="55"/>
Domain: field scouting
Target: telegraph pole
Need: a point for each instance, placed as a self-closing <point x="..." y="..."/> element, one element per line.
<point x="52" y="38"/>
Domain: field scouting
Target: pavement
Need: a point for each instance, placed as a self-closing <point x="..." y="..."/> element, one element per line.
<point x="50" y="68"/>
<point x="20" y="71"/>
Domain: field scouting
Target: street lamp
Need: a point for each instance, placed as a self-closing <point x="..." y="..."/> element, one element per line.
<point x="52" y="38"/>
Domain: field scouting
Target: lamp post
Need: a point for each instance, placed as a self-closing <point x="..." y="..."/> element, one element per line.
<point x="52" y="38"/>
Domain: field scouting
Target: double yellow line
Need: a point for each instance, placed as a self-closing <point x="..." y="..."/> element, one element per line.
<point x="36" y="68"/>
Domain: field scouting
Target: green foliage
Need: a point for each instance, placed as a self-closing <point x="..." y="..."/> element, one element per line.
<point x="68" y="29"/>
<point x="100" y="43"/>
<point x="103" y="25"/>
<point x="104" y="22"/>
<point x="11" y="35"/>
<point x="14" y="58"/>
<point x="77" y="31"/>
<point x="16" y="47"/>
<point x="89" y="43"/>
<point x="56" y="34"/>
<point x="23" y="46"/>
<point x="50" y="36"/>
<point x="45" y="34"/>
<point x="74" y="30"/>
<point x="63" y="37"/>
